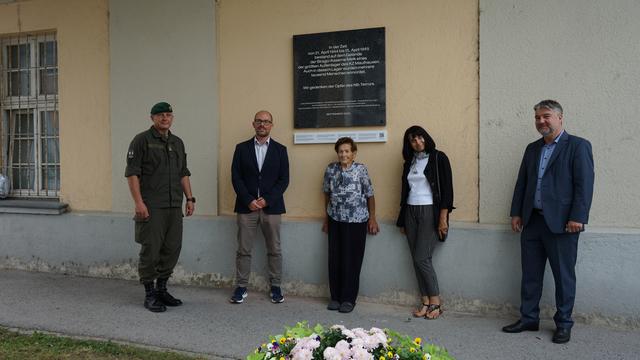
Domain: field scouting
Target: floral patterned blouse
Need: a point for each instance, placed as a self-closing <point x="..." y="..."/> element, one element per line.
<point x="348" y="192"/>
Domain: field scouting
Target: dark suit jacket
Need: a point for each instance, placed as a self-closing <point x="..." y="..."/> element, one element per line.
<point x="272" y="180"/>
<point x="445" y="201"/>
<point x="567" y="183"/>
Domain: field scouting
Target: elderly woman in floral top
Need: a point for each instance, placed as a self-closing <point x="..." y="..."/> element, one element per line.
<point x="350" y="215"/>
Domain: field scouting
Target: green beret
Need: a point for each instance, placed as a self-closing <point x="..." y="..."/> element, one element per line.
<point x="161" y="107"/>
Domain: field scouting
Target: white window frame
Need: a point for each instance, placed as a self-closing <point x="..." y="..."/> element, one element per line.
<point x="36" y="104"/>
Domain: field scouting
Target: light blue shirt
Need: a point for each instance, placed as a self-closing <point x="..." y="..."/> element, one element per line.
<point x="545" y="155"/>
<point x="261" y="151"/>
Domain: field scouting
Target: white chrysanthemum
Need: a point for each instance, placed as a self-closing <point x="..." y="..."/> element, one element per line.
<point x="381" y="339"/>
<point x="349" y="333"/>
<point x="360" y="332"/>
<point x="358" y="342"/>
<point x="302" y="354"/>
<point x="379" y="334"/>
<point x="343" y="347"/>
<point x="303" y="350"/>
<point x="371" y="343"/>
<point x="361" y="354"/>
<point x="331" y="354"/>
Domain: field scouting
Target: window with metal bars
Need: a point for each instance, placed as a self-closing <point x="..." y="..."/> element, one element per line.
<point x="29" y="135"/>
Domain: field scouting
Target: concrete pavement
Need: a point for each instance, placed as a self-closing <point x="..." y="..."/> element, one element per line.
<point x="208" y="324"/>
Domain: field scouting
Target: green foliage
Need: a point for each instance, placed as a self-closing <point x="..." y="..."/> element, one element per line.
<point x="402" y="345"/>
<point x="40" y="346"/>
<point x="302" y="329"/>
<point x="256" y="355"/>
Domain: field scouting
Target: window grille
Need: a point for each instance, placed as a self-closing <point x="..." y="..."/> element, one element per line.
<point x="29" y="136"/>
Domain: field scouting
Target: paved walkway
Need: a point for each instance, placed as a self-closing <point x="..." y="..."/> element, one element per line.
<point x="208" y="324"/>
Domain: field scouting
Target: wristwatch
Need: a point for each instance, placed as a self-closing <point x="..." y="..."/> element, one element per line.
<point x="192" y="199"/>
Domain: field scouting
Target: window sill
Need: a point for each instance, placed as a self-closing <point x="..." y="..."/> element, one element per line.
<point x="37" y="207"/>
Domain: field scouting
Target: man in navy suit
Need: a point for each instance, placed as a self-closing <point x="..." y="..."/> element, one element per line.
<point x="260" y="175"/>
<point x="550" y="206"/>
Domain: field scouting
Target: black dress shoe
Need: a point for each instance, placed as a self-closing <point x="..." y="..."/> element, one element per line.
<point x="518" y="327"/>
<point x="346" y="307"/>
<point x="561" y="336"/>
<point x="333" y="305"/>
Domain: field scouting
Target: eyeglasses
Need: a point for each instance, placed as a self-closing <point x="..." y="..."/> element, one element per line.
<point x="262" y="122"/>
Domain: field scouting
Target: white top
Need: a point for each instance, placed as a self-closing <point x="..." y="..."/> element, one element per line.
<point x="261" y="151"/>
<point x="419" y="189"/>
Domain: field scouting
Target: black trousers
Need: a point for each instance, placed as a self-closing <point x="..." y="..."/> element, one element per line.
<point x="538" y="244"/>
<point x="346" y="252"/>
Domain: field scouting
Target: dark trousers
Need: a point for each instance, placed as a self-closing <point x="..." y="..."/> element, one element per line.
<point x="422" y="238"/>
<point x="538" y="244"/>
<point x="160" y="237"/>
<point x="346" y="252"/>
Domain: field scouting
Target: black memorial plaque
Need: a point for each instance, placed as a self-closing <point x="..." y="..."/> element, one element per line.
<point x="339" y="79"/>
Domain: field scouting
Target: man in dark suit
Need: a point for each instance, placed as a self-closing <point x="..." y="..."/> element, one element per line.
<point x="550" y="206"/>
<point x="260" y="175"/>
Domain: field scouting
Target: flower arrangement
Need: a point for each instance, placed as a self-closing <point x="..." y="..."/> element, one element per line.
<point x="339" y="343"/>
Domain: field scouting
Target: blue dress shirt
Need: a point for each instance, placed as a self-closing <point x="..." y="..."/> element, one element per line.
<point x="545" y="155"/>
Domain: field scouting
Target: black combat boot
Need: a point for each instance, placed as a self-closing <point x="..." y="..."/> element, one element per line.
<point x="163" y="295"/>
<point x="151" y="300"/>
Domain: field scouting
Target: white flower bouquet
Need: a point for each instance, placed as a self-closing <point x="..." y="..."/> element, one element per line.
<point x="339" y="343"/>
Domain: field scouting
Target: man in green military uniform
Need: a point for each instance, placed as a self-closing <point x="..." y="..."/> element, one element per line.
<point x="158" y="176"/>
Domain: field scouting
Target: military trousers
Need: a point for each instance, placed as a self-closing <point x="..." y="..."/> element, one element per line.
<point x="160" y="237"/>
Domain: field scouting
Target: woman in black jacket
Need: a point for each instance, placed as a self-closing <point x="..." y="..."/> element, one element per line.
<point x="425" y="203"/>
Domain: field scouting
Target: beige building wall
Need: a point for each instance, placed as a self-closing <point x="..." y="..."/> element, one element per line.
<point x="432" y="80"/>
<point x="584" y="54"/>
<point x="83" y="66"/>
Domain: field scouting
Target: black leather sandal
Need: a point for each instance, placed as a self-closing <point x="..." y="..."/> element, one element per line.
<point x="430" y="309"/>
<point x="422" y="312"/>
